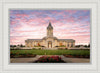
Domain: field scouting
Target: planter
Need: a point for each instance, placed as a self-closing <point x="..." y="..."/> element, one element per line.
<point x="50" y="59"/>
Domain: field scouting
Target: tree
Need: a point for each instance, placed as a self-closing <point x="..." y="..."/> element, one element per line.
<point x="14" y="46"/>
<point x="85" y="46"/>
<point x="21" y="45"/>
<point x="89" y="45"/>
<point x="77" y="45"/>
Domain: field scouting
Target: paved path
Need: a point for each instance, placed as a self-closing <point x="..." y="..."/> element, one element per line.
<point x="67" y="60"/>
<point x="24" y="60"/>
<point x="75" y="60"/>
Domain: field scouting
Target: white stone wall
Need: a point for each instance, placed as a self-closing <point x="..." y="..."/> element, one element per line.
<point x="45" y="43"/>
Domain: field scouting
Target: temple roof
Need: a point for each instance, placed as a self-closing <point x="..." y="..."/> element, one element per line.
<point x="34" y="39"/>
<point x="49" y="26"/>
<point x="31" y="40"/>
<point x="68" y="40"/>
<point x="49" y="37"/>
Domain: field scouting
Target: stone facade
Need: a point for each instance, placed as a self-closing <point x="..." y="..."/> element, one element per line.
<point x="50" y="41"/>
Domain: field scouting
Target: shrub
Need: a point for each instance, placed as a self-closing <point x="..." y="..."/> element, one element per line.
<point x="59" y="48"/>
<point x="62" y="46"/>
<point x="66" y="48"/>
<point x="11" y="47"/>
<point x="39" y="48"/>
<point x="17" y="48"/>
<point x="33" y="48"/>
<point x="56" y="46"/>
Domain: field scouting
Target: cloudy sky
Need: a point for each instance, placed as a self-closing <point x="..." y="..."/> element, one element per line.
<point x="32" y="24"/>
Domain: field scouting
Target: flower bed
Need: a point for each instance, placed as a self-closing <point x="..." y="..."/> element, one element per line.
<point x="77" y="56"/>
<point x="21" y="55"/>
<point x="50" y="59"/>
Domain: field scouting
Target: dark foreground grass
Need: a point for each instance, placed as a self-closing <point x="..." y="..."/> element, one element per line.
<point x="51" y="52"/>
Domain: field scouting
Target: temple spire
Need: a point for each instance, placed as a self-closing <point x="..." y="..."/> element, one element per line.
<point x="50" y="30"/>
<point x="49" y="26"/>
<point x="49" y="23"/>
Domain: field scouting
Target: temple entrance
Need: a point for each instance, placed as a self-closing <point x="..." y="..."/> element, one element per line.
<point x="49" y="44"/>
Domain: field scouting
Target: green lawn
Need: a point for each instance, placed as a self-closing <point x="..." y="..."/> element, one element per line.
<point x="52" y="52"/>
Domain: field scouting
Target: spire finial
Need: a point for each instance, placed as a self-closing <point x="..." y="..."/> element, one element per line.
<point x="49" y="23"/>
<point x="49" y="26"/>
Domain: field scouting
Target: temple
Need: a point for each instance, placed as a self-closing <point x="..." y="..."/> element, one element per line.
<point x="49" y="41"/>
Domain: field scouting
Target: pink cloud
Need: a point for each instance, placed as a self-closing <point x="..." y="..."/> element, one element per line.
<point x="23" y="26"/>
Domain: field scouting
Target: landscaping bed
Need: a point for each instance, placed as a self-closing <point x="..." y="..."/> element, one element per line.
<point x="77" y="56"/>
<point x="21" y="55"/>
<point x="50" y="59"/>
<point x="66" y="53"/>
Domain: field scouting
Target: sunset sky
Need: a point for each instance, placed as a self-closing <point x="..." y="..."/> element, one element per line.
<point x="32" y="24"/>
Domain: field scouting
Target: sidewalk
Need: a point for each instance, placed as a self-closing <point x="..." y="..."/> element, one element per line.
<point x="24" y="60"/>
<point x="67" y="60"/>
<point x="75" y="60"/>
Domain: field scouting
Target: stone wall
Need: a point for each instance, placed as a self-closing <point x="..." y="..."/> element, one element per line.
<point x="54" y="43"/>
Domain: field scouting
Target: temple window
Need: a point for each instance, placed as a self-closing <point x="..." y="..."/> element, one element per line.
<point x="38" y="44"/>
<point x="71" y="44"/>
<point x="60" y="44"/>
<point x="68" y="44"/>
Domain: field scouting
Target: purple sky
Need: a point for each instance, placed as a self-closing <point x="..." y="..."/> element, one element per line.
<point x="32" y="24"/>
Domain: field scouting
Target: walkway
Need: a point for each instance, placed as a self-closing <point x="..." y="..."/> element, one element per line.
<point x="67" y="60"/>
<point x="75" y="60"/>
<point x="24" y="60"/>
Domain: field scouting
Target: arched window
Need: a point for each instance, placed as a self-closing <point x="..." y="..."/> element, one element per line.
<point x="60" y="44"/>
<point x="38" y="44"/>
<point x="68" y="44"/>
<point x="71" y="44"/>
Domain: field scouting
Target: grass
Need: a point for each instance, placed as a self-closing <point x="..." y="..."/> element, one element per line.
<point x="52" y="52"/>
